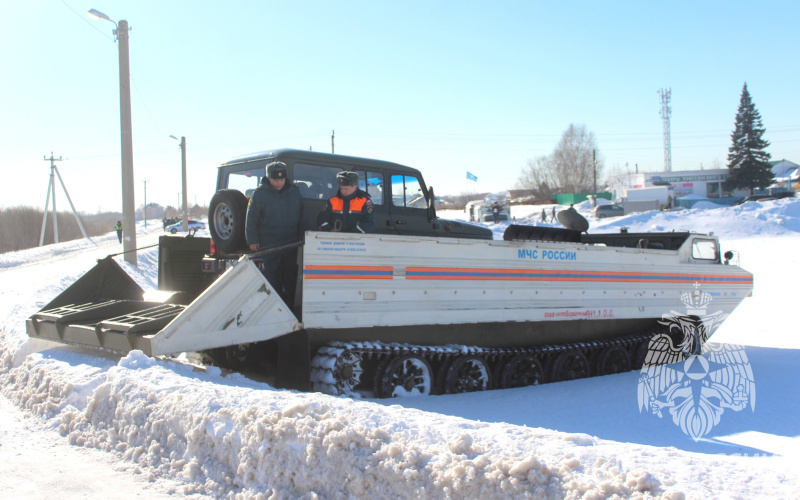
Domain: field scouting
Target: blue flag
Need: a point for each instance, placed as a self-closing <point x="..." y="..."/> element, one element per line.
<point x="471" y="177"/>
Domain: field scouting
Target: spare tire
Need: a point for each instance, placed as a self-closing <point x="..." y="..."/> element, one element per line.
<point x="226" y="220"/>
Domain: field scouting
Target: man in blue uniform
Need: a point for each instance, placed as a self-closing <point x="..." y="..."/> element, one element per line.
<point x="351" y="210"/>
<point x="275" y="218"/>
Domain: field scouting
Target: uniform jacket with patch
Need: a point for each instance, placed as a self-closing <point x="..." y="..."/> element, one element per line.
<point x="274" y="218"/>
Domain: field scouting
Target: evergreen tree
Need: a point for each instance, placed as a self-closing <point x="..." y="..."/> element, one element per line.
<point x="747" y="159"/>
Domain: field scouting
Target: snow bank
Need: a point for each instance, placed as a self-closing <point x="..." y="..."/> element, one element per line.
<point x="229" y="436"/>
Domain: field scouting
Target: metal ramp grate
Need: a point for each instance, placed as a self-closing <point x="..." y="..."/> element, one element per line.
<point x="152" y="319"/>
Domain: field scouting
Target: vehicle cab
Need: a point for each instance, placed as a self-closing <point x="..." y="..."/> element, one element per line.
<point x="403" y="203"/>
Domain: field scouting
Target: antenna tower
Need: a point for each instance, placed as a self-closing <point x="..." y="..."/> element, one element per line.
<point x="666" y="111"/>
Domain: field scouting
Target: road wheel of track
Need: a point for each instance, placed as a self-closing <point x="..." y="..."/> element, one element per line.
<point x="467" y="374"/>
<point x="441" y="375"/>
<point x="347" y="372"/>
<point x="570" y="365"/>
<point x="520" y="371"/>
<point x="613" y="359"/>
<point x="226" y="220"/>
<point x="640" y="354"/>
<point x="406" y="375"/>
<point x="378" y="375"/>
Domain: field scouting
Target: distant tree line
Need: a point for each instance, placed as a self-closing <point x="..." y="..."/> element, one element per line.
<point x="21" y="227"/>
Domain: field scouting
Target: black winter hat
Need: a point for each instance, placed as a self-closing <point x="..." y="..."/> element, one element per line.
<point x="347" y="178"/>
<point x="276" y="170"/>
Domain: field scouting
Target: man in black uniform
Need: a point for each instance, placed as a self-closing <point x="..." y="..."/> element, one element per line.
<point x="496" y="212"/>
<point x="275" y="218"/>
<point x="351" y="210"/>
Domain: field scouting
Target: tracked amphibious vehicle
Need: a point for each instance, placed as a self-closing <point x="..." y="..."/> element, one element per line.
<point x="403" y="312"/>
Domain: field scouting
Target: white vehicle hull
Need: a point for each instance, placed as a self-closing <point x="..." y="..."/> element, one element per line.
<point x="386" y="296"/>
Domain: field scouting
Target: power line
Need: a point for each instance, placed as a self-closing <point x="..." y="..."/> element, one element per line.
<point x="83" y="18"/>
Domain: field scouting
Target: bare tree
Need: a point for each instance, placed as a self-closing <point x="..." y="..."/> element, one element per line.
<point x="537" y="177"/>
<point x="570" y="169"/>
<point x="572" y="160"/>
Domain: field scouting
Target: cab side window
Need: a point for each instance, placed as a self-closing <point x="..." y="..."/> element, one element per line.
<point x="704" y="249"/>
<point x="246" y="182"/>
<point x="407" y="192"/>
<point x="316" y="182"/>
<point x="372" y="183"/>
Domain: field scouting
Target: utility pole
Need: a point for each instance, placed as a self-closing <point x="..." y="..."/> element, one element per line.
<point x="666" y="112"/>
<point x="51" y="188"/>
<point x="185" y="202"/>
<point x="128" y="200"/>
<point x="144" y="211"/>
<point x="126" y="138"/>
<point x="333" y="134"/>
<point x="594" y="161"/>
<point x="185" y="223"/>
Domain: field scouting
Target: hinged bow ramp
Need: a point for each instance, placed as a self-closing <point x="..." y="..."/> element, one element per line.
<point x="104" y="309"/>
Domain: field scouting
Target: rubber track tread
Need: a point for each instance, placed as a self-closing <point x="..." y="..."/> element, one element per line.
<point x="325" y="359"/>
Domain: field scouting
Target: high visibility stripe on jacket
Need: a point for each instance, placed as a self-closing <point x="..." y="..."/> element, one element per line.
<point x="356" y="204"/>
<point x="352" y="214"/>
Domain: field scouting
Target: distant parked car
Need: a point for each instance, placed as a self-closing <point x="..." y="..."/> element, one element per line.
<point x="764" y="197"/>
<point x="602" y="211"/>
<point x="178" y="226"/>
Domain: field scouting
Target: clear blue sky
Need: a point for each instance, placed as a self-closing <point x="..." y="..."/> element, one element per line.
<point x="446" y="87"/>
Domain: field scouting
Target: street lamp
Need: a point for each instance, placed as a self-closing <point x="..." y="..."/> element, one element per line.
<point x="185" y="224"/>
<point x="128" y="201"/>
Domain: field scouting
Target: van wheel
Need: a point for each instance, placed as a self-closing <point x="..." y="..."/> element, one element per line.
<point x="227" y="213"/>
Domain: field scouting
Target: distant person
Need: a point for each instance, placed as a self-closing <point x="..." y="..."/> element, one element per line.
<point x="553" y="215"/>
<point x="118" y="229"/>
<point x="275" y="218"/>
<point x="496" y="212"/>
<point x="351" y="210"/>
<point x="544" y="216"/>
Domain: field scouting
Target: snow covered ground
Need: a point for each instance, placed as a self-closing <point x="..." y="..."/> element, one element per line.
<point x="88" y="425"/>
